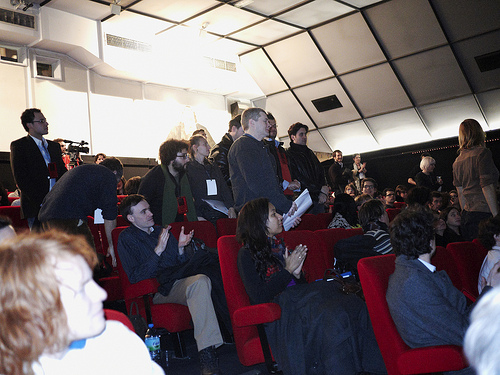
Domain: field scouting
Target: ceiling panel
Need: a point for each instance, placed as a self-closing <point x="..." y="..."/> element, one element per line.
<point x="443" y="119"/>
<point x="287" y="111"/>
<point x="85" y="9"/>
<point x="398" y="128"/>
<point x="225" y="20"/>
<point x="489" y="103"/>
<point x="299" y="60"/>
<point x="361" y="3"/>
<point x="376" y="90"/>
<point x="465" y="18"/>
<point x="265" y="32"/>
<point x="469" y="49"/>
<point x="432" y="76"/>
<point x="315" y="12"/>
<point x="405" y="26"/>
<point x="223" y="46"/>
<point x="316" y="142"/>
<point x="326" y="88"/>
<point x="175" y="10"/>
<point x="263" y="72"/>
<point x="348" y="44"/>
<point x="271" y="7"/>
<point x="135" y="26"/>
<point x="350" y="138"/>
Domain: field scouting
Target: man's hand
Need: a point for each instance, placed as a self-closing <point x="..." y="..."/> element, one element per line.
<point x="323" y="194"/>
<point x="185" y="239"/>
<point x="231" y="213"/>
<point x="111" y="253"/>
<point x="292" y="210"/>
<point x="162" y="240"/>
<point x="294" y="185"/>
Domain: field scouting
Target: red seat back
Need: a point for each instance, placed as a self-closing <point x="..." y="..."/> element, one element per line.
<point x="392" y="213"/>
<point x="329" y="237"/>
<point x="120" y="317"/>
<point x="204" y="230"/>
<point x="14" y="213"/>
<point x="314" y="222"/>
<point x="226" y="227"/>
<point x="443" y="260"/>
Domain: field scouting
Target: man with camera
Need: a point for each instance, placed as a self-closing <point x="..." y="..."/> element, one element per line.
<point x="36" y="164"/>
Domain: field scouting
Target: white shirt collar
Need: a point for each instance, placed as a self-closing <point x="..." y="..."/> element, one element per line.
<point x="431" y="267"/>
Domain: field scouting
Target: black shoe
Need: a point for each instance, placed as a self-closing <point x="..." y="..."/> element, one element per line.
<point x="209" y="362"/>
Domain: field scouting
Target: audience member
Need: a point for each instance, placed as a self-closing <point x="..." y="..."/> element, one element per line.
<point x="436" y="201"/>
<point x="4" y="199"/>
<point x="425" y="306"/>
<point x="475" y="177"/>
<point x="418" y="196"/>
<point x="99" y="158"/>
<point x="358" y="170"/>
<point x="416" y="169"/>
<point x="132" y="185"/>
<point x="375" y="223"/>
<point x="55" y="324"/>
<point x="189" y="278"/>
<point x="427" y="178"/>
<point x="219" y="153"/>
<point x="65" y="156"/>
<point x="482" y="337"/>
<point x="6" y="229"/>
<point x="338" y="175"/>
<point x="451" y="217"/>
<point x="439" y="228"/>
<point x="253" y="170"/>
<point x="401" y="193"/>
<point x="344" y="212"/>
<point x="489" y="235"/>
<point x="369" y="186"/>
<point x="306" y="168"/>
<point x="306" y="339"/>
<point x="166" y="186"/>
<point x="78" y="194"/>
<point x="454" y="199"/>
<point x="36" y="164"/>
<point x="207" y="183"/>
<point x="278" y="152"/>
<point x="361" y="199"/>
<point x="120" y="188"/>
<point x="351" y="190"/>
<point x="389" y="197"/>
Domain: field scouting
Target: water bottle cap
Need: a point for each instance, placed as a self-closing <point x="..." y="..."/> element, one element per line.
<point x="150" y="325"/>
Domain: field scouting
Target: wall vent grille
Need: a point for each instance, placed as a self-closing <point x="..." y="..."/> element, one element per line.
<point x="221" y="64"/>
<point x="120" y="42"/>
<point x="15" y="18"/>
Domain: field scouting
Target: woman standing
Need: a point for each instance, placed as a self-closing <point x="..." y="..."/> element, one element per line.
<point x="427" y="178"/>
<point x="475" y="177"/>
<point x="207" y="183"/>
<point x="321" y="330"/>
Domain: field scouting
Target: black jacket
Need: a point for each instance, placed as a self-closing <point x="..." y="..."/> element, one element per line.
<point x="218" y="155"/>
<point x="306" y="168"/>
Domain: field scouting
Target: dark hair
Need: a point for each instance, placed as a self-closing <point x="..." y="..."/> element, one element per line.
<point x="250" y="113"/>
<point x="236" y="122"/>
<point x="370" y="213"/>
<point x="412" y="232"/>
<point x="195" y="140"/>
<point x="270" y="116"/>
<point x="344" y="204"/>
<point x="487" y="229"/>
<point x="28" y="116"/>
<point x="132" y="185"/>
<point x="294" y="128"/>
<point x="400" y="189"/>
<point x="386" y="190"/>
<point x="368" y="179"/>
<point x="5" y="221"/>
<point x="170" y="148"/>
<point x="198" y="132"/>
<point x="435" y="194"/>
<point x="115" y="165"/>
<point x="335" y="152"/>
<point x="444" y="213"/>
<point x="129" y="202"/>
<point x="97" y="156"/>
<point x="251" y="230"/>
<point x="418" y="196"/>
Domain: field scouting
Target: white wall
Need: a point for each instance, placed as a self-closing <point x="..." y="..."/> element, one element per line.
<point x="117" y="117"/>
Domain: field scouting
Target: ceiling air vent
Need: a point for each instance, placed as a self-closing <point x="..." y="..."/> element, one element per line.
<point x="15" y="18"/>
<point x="221" y="64"/>
<point x="120" y="42"/>
<point x="327" y="103"/>
<point x="489" y="61"/>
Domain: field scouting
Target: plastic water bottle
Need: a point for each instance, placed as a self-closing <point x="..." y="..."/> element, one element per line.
<point x="152" y="340"/>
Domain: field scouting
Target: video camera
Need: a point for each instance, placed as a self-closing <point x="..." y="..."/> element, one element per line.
<point x="77" y="147"/>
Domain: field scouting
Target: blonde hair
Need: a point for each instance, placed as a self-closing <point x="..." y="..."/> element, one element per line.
<point x="470" y="134"/>
<point x="32" y="317"/>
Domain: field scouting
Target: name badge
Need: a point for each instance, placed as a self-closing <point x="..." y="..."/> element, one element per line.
<point x="52" y="170"/>
<point x="211" y="187"/>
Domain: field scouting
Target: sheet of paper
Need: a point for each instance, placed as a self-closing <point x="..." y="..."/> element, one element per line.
<point x="98" y="219"/>
<point x="211" y="187"/>
<point x="217" y="205"/>
<point x="303" y="203"/>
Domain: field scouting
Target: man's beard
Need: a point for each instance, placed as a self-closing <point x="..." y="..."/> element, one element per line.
<point x="179" y="167"/>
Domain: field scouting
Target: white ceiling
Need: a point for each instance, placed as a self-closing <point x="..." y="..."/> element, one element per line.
<point x="403" y="70"/>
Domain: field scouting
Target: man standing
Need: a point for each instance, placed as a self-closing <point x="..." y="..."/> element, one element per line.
<point x="147" y="251"/>
<point x="252" y="169"/>
<point x="306" y="168"/>
<point x="219" y="153"/>
<point x="279" y="154"/>
<point x="337" y="174"/>
<point x="36" y="164"/>
<point x="166" y="186"/>
<point x="78" y="194"/>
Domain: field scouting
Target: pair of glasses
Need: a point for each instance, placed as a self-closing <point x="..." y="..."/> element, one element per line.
<point x="44" y="121"/>
<point x="182" y="156"/>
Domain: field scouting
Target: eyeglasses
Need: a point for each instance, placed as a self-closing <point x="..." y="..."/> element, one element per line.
<point x="368" y="186"/>
<point x="182" y="156"/>
<point x="43" y="121"/>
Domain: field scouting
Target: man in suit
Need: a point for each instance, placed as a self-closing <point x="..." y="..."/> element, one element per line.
<point x="36" y="164"/>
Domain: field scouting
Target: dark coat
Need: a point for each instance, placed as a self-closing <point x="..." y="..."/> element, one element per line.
<point x="219" y="154"/>
<point x="31" y="172"/>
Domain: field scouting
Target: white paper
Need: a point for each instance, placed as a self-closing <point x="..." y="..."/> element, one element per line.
<point x="303" y="203"/>
<point x="98" y="219"/>
<point x="217" y="205"/>
<point x="211" y="187"/>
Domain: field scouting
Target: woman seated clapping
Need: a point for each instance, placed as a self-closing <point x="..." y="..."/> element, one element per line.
<point x="321" y="330"/>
